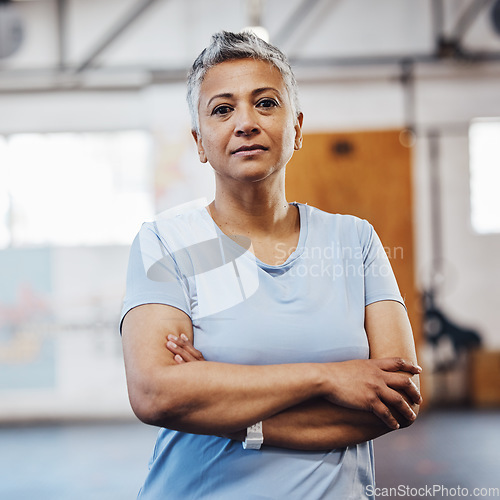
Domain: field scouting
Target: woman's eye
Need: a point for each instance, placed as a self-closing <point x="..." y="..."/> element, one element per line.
<point x="222" y="110"/>
<point x="267" y="103"/>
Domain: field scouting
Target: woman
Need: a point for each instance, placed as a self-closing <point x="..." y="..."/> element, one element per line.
<point x="309" y="352"/>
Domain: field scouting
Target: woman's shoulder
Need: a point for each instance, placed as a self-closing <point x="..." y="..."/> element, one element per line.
<point x="339" y="220"/>
<point x="180" y="226"/>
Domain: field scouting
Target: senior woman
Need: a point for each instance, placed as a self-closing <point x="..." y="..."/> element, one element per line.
<point x="307" y="349"/>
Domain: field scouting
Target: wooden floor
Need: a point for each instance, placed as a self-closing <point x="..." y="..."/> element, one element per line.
<point x="443" y="449"/>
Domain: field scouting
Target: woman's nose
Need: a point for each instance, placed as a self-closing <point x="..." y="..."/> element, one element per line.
<point x="246" y="122"/>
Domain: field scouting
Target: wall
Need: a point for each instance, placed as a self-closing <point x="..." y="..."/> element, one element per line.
<point x="447" y="98"/>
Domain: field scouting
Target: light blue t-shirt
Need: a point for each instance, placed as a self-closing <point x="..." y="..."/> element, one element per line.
<point x="308" y="309"/>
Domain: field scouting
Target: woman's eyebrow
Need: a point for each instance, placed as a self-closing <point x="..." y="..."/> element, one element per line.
<point x="228" y="95"/>
<point x="265" y="89"/>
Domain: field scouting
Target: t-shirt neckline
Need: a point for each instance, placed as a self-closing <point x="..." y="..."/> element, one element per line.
<point x="291" y="258"/>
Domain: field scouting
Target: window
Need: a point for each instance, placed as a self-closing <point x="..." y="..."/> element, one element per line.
<point x="484" y="147"/>
<point x="74" y="188"/>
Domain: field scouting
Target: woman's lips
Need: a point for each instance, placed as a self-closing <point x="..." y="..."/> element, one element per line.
<point x="250" y="150"/>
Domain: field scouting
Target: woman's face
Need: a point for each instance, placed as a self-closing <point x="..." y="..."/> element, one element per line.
<point x="248" y="130"/>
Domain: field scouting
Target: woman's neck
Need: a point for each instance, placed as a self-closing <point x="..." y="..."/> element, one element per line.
<point x="260" y="215"/>
<point x="253" y="214"/>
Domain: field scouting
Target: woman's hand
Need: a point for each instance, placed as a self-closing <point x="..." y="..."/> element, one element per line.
<point x="375" y="385"/>
<point x="182" y="349"/>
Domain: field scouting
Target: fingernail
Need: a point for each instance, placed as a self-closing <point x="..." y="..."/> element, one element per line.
<point x="178" y="357"/>
<point x="171" y="344"/>
<point x="184" y="337"/>
<point x="172" y="337"/>
<point x="419" y="368"/>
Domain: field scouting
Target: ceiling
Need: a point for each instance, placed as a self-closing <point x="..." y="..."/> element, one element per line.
<point x="95" y="44"/>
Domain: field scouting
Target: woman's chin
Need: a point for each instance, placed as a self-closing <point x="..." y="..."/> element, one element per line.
<point x="250" y="172"/>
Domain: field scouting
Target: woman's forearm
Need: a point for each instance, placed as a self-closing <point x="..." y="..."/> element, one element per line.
<point x="217" y="398"/>
<point x="319" y="425"/>
<point x="308" y="433"/>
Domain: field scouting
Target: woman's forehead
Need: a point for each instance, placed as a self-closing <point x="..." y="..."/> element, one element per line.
<point x="241" y="75"/>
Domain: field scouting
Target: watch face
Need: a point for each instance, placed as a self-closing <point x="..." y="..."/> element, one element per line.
<point x="253" y="442"/>
<point x="252" y="445"/>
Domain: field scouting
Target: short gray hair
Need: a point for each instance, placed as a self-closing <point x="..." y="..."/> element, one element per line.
<point x="227" y="46"/>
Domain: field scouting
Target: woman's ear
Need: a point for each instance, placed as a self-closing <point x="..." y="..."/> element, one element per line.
<point x="199" y="145"/>
<point x="298" y="132"/>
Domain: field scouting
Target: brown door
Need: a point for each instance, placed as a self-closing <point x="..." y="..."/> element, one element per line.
<point x="367" y="174"/>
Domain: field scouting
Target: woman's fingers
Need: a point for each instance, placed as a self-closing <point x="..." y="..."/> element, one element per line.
<point x="412" y="391"/>
<point x="180" y="354"/>
<point x="394" y="400"/>
<point x="398" y="365"/>
<point x="403" y="382"/>
<point x="183" y="349"/>
<point x="178" y="359"/>
<point x="387" y="403"/>
<point x="383" y="412"/>
<point x="382" y="386"/>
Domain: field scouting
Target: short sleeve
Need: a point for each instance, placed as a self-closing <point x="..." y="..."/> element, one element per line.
<point x="380" y="282"/>
<point x="153" y="275"/>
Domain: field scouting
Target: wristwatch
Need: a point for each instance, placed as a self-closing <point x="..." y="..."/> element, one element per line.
<point x="254" y="438"/>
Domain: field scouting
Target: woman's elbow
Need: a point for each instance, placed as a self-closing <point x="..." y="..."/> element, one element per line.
<point x="152" y="406"/>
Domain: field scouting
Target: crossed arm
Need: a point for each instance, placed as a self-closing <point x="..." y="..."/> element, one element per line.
<point x="303" y="406"/>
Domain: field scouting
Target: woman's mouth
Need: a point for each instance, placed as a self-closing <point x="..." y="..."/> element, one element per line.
<point x="250" y="150"/>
